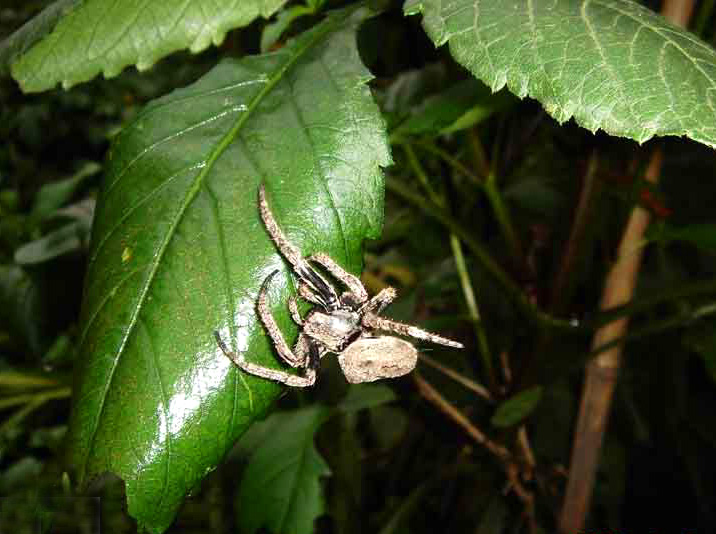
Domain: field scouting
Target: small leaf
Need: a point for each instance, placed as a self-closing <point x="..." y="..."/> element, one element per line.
<point x="468" y="102"/>
<point x="97" y="36"/>
<point x="23" y="307"/>
<point x="364" y="396"/>
<point x="701" y="235"/>
<point x="612" y="65"/>
<point x="516" y="408"/>
<point x="273" y="30"/>
<point x="481" y="111"/>
<point x="54" y="195"/>
<point x="536" y="195"/>
<point x="69" y="238"/>
<point x="280" y="489"/>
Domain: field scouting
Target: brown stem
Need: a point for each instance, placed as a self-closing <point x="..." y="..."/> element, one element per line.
<point x="601" y="374"/>
<point x="511" y="467"/>
<point x="476" y="387"/>
<point x="432" y="395"/>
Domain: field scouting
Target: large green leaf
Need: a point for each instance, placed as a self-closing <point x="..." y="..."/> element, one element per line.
<point x="612" y="64"/>
<point x="178" y="251"/>
<point x="280" y="489"/>
<point x="96" y="36"/>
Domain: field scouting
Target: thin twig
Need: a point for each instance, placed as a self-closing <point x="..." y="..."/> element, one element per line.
<point x="506" y="369"/>
<point x="523" y="443"/>
<point x="473" y="310"/>
<point x="580" y="223"/>
<point x="432" y="395"/>
<point x="476" y="387"/>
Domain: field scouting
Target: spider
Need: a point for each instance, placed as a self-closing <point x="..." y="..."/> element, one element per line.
<point x="346" y="324"/>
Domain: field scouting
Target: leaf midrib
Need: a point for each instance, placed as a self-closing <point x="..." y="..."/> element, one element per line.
<point x="189" y="197"/>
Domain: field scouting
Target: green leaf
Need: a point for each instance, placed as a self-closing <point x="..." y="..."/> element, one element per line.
<point x="466" y="102"/>
<point x="613" y="65"/>
<point x="66" y="239"/>
<point x="701" y="235"/>
<point x="178" y="251"/>
<point x="31" y="32"/>
<point x="97" y="36"/>
<point x="54" y="195"/>
<point x="364" y="396"/>
<point x="273" y="30"/>
<point x="516" y="408"/>
<point x="280" y="489"/>
<point x="23" y="307"/>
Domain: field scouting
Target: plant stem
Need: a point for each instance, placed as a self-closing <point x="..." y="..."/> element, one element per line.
<point x="34" y="402"/>
<point x="561" y="287"/>
<point x="656" y="327"/>
<point x="420" y="173"/>
<point x="453" y="162"/>
<point x="602" y="371"/>
<point x="472" y="308"/>
<point x="502" y="215"/>
<point x="482" y="256"/>
<point x="481" y="390"/>
<point x="645" y="304"/>
<point x="432" y="395"/>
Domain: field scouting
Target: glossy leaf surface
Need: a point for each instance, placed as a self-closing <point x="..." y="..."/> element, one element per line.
<point x="611" y="64"/>
<point x="178" y="251"/>
<point x="89" y="40"/>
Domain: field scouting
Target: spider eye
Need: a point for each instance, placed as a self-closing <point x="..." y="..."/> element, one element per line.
<point x="349" y="300"/>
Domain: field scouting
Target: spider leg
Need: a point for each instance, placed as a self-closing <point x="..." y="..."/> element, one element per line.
<point x="304" y="291"/>
<point x="302" y="268"/>
<point x="293" y="310"/>
<point x="380" y="323"/>
<point x="294" y="360"/>
<point x="380" y="301"/>
<point x="352" y="282"/>
<point x="264" y="372"/>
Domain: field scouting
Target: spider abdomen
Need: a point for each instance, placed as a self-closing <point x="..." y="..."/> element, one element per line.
<point x="372" y="358"/>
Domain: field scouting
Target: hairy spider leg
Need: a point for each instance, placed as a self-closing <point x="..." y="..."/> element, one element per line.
<point x="264" y="372"/>
<point x="326" y="292"/>
<point x="352" y="282"/>
<point x="304" y="291"/>
<point x="380" y="323"/>
<point x="294" y="360"/>
<point x="293" y="310"/>
<point x="379" y="301"/>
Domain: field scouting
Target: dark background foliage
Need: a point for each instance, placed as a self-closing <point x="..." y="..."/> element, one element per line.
<point x="399" y="464"/>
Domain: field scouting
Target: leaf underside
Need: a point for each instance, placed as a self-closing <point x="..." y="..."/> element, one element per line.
<point x="610" y="64"/>
<point x="100" y="37"/>
<point x="178" y="250"/>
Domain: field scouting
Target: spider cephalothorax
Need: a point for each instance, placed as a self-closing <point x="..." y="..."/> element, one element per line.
<point x="347" y="324"/>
